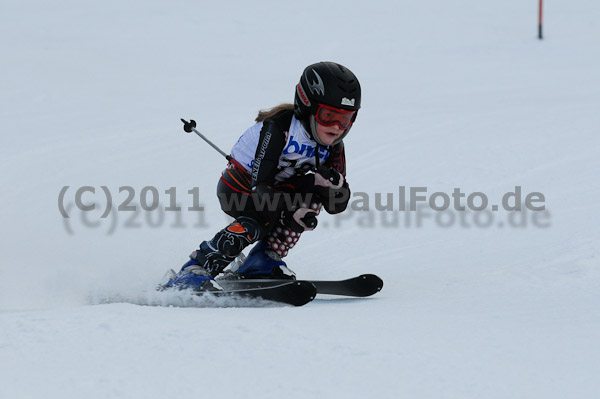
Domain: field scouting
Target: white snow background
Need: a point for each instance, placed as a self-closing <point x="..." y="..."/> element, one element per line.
<point x="455" y="94"/>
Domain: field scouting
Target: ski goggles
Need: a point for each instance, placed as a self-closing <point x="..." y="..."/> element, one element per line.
<point x="329" y="116"/>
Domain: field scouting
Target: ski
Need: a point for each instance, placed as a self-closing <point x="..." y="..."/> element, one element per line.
<point x="359" y="286"/>
<point x="290" y="292"/>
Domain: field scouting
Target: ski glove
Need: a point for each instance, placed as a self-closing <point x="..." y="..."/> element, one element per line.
<point x="299" y="220"/>
<point x="332" y="188"/>
<point x="328" y="179"/>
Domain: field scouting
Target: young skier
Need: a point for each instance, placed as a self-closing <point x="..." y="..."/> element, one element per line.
<point x="285" y="168"/>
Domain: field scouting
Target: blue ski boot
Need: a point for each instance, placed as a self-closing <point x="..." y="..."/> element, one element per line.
<point x="196" y="273"/>
<point x="263" y="262"/>
<point x="215" y="255"/>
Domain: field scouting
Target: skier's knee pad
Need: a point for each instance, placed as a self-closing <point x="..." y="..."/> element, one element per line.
<point x="254" y="228"/>
<point x="238" y="235"/>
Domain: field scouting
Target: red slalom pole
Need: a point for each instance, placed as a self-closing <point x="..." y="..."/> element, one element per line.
<point x="540" y="20"/>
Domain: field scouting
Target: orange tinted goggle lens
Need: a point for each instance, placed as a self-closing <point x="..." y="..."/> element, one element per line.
<point x="329" y="116"/>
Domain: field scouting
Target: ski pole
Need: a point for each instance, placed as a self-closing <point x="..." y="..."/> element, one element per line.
<point x="540" y="19"/>
<point x="190" y="126"/>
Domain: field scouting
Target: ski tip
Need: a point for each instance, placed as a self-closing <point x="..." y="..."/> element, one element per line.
<point x="305" y="292"/>
<point x="372" y="284"/>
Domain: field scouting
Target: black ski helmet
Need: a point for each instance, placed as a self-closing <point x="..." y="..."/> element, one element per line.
<point x="325" y="83"/>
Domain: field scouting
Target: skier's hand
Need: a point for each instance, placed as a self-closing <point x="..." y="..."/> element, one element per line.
<point x="332" y="189"/>
<point x="327" y="180"/>
<point x="299" y="220"/>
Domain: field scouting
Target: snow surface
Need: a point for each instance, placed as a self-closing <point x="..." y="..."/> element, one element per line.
<point x="455" y="94"/>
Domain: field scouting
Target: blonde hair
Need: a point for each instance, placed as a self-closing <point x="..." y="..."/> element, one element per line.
<point x="264" y="114"/>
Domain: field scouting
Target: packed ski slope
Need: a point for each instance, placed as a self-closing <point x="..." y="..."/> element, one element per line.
<point x="456" y="94"/>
